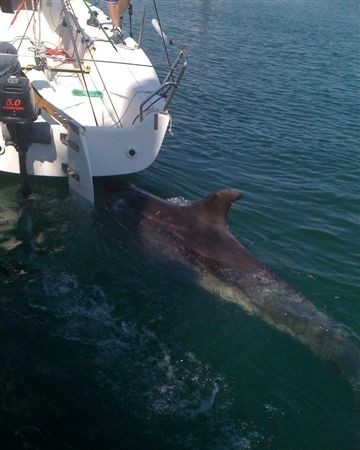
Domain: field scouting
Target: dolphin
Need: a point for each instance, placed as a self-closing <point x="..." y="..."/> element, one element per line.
<point x="198" y="237"/>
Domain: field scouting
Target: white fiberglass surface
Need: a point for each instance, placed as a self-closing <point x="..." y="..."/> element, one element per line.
<point x="116" y="79"/>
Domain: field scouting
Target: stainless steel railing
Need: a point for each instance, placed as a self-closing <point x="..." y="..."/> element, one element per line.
<point x="168" y="88"/>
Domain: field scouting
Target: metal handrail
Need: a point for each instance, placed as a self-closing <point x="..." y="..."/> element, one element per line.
<point x="173" y="90"/>
<point x="167" y="86"/>
<point x="181" y="54"/>
<point x="157" y="92"/>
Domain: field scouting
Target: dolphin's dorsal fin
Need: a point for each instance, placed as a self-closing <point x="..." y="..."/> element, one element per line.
<point x="214" y="208"/>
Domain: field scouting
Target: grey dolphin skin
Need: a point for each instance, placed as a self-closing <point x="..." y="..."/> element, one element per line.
<point x="198" y="237"/>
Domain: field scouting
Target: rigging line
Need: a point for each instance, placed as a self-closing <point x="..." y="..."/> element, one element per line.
<point x="27" y="27"/>
<point x="109" y="40"/>
<point x="37" y="32"/>
<point x="119" y="62"/>
<point x="91" y="60"/>
<point x="105" y="89"/>
<point x="100" y="26"/>
<point x="99" y="73"/>
<point x="39" y="53"/>
<point x="66" y="12"/>
<point x="162" y="35"/>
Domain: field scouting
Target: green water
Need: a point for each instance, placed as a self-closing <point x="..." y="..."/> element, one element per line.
<point x="104" y="346"/>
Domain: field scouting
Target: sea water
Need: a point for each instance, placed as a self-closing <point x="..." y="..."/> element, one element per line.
<point x="104" y="346"/>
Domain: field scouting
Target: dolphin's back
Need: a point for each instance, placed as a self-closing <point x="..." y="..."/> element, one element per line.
<point x="198" y="237"/>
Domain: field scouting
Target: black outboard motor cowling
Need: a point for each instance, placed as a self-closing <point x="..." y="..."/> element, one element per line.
<point x="17" y="101"/>
<point x="18" y="109"/>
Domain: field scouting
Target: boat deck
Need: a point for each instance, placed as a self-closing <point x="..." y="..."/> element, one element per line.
<point x="118" y="78"/>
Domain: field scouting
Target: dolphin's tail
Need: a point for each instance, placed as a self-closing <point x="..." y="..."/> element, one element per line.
<point x="344" y="354"/>
<point x="289" y="311"/>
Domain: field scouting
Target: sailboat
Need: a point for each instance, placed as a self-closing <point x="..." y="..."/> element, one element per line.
<point x="82" y="107"/>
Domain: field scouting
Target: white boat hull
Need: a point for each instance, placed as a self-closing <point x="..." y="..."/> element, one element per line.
<point x="110" y="95"/>
<point x="112" y="151"/>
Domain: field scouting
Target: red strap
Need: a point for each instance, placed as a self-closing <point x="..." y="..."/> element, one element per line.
<point x="17" y="11"/>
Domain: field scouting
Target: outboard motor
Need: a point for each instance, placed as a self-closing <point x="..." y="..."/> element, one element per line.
<point x="17" y="100"/>
<point x="18" y="108"/>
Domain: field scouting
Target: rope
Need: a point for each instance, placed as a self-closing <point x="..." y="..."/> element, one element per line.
<point x="119" y="62"/>
<point x="162" y="35"/>
<point x="91" y="60"/>
<point x="27" y="27"/>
